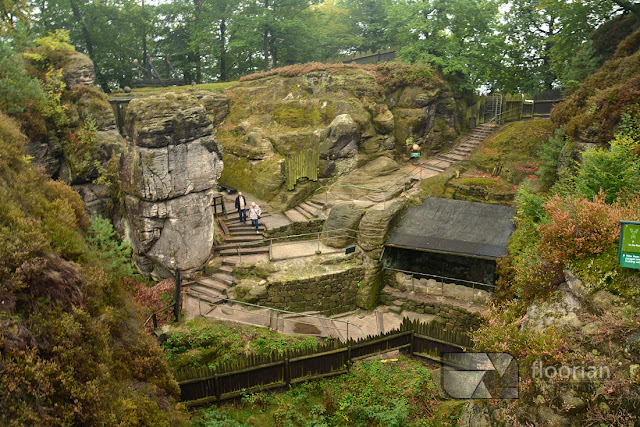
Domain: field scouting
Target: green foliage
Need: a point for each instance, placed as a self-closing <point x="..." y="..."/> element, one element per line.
<point x="18" y="91"/>
<point x="52" y="50"/>
<point x="209" y="343"/>
<point x="549" y="154"/>
<point x="397" y="393"/>
<point x="612" y="171"/>
<point x="579" y="67"/>
<point x="73" y="351"/>
<point x="116" y="254"/>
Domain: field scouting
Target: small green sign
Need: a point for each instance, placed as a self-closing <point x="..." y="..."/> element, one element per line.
<point x="415" y="155"/>
<point x="350" y="250"/>
<point x="629" y="250"/>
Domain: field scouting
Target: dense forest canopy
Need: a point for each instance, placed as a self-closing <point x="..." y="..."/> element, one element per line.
<point x="508" y="45"/>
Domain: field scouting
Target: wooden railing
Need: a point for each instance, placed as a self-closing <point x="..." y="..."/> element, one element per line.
<point x="199" y="386"/>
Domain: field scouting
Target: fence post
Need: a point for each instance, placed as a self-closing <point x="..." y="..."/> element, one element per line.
<point x="155" y="321"/>
<point x="287" y="371"/>
<point x="216" y="381"/>
<point x="411" y="346"/>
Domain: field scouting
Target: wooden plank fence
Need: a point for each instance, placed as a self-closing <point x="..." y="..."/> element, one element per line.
<point x="199" y="386"/>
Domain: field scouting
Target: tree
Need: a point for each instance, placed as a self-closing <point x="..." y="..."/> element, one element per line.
<point x="458" y="36"/>
<point x="111" y="33"/>
<point x="369" y="23"/>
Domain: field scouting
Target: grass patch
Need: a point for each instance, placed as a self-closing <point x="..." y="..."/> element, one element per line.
<point x="203" y="342"/>
<point x="515" y="146"/>
<point x="399" y="392"/>
<point x="214" y="87"/>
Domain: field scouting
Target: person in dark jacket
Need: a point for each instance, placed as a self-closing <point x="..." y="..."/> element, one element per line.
<point x="241" y="207"/>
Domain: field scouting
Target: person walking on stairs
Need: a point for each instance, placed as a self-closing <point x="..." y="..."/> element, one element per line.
<point x="254" y="215"/>
<point x="241" y="206"/>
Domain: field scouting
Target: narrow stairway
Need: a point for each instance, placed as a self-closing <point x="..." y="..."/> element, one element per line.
<point x="242" y="243"/>
<point x="305" y="211"/>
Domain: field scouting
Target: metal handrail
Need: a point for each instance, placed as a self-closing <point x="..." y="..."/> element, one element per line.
<point x="318" y="239"/>
<point x="443" y="278"/>
<point x="155" y="314"/>
<point x="289" y="312"/>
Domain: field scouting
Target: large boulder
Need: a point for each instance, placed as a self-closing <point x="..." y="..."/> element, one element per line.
<point x="342" y="218"/>
<point x="341" y="139"/>
<point x="78" y="70"/>
<point x="169" y="171"/>
<point x="376" y="225"/>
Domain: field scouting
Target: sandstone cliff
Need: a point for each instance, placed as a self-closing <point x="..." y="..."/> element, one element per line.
<point x="341" y="116"/>
<point x="168" y="172"/>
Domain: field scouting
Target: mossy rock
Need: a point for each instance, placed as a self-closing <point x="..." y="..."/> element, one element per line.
<point x="212" y="266"/>
<point x="298" y="114"/>
<point x="265" y="179"/>
<point x="292" y="143"/>
<point x="261" y="270"/>
<point x="83" y="159"/>
<point x="409" y="123"/>
<point x="88" y="102"/>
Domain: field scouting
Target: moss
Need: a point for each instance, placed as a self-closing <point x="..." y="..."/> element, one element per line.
<point x="265" y="179"/>
<point x="602" y="272"/>
<point x="297" y="114"/>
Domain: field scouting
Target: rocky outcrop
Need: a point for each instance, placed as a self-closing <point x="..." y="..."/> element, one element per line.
<point x="348" y="116"/>
<point x="168" y="172"/>
<point x="85" y="148"/>
<point x="342" y="138"/>
<point x="341" y="220"/>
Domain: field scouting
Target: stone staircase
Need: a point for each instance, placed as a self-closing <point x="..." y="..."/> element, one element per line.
<point x="305" y="211"/>
<point x="240" y="240"/>
<point x="461" y="151"/>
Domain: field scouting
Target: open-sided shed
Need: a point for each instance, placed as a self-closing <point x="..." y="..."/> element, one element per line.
<point x="451" y="238"/>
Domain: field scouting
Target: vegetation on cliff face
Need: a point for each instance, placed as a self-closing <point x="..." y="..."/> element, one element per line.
<point x="564" y="300"/>
<point x="594" y="111"/>
<point x="72" y="348"/>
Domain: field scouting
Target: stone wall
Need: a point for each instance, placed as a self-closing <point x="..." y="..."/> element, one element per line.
<point x="295" y="228"/>
<point x="454" y="316"/>
<point x="330" y="293"/>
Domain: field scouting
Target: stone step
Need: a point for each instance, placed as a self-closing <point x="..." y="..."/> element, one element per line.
<point x="244" y="227"/>
<point x="295" y="216"/>
<point x="224" y="278"/>
<point x="303" y="212"/>
<point x="210" y="299"/>
<point x="227" y="261"/>
<point x="244" y="233"/>
<point x="240" y="245"/>
<point x="211" y="283"/>
<point x="244" y="238"/>
<point x="434" y="168"/>
<point x="312" y="210"/>
<point x="314" y="205"/>
<point x="245" y="251"/>
<point x="226" y="268"/>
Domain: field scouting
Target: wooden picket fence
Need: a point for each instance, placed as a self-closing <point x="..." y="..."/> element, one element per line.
<point x="250" y="374"/>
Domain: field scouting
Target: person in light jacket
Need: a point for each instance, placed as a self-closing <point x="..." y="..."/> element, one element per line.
<point x="254" y="215"/>
<point x="241" y="207"/>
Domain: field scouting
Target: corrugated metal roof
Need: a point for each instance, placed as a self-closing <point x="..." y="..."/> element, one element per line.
<point x="456" y="227"/>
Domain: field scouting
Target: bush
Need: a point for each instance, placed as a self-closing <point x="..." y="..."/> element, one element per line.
<point x="610" y="171"/>
<point x="117" y="255"/>
<point x="549" y="154"/>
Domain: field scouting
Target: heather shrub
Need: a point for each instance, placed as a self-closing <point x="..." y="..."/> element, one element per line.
<point x="577" y="228"/>
<point x="549" y="154"/>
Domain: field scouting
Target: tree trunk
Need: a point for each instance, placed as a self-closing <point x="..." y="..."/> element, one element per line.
<point x="223" y="51"/>
<point x="265" y="38"/>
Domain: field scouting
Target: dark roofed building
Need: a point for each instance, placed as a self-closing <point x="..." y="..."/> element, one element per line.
<point x="451" y="238"/>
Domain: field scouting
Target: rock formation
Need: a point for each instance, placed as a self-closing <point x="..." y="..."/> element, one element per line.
<point x="349" y="116"/>
<point x="168" y="173"/>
